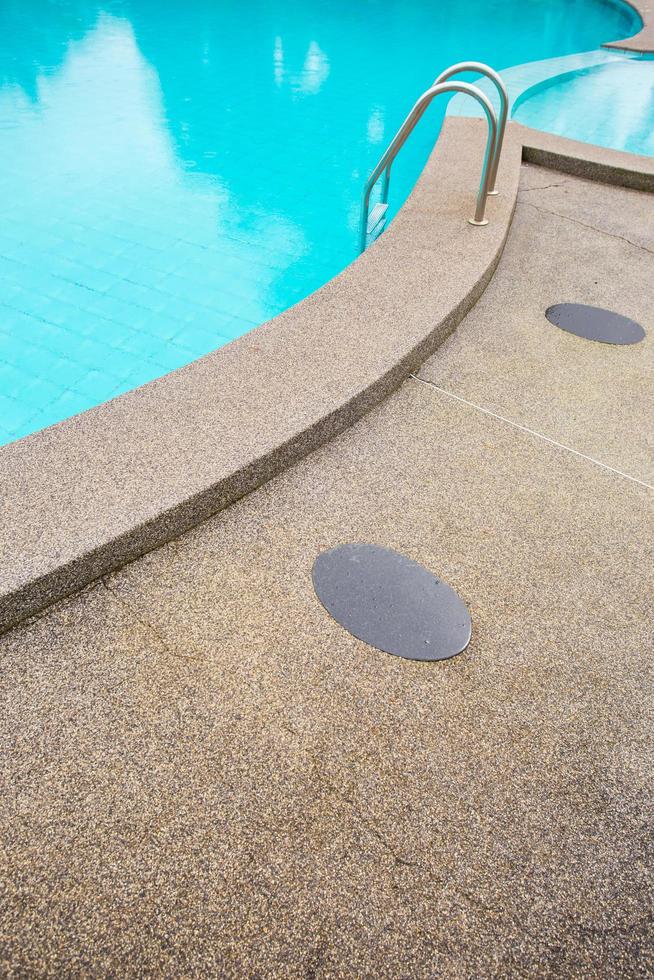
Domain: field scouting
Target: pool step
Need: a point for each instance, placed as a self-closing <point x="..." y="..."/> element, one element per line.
<point x="376" y="222"/>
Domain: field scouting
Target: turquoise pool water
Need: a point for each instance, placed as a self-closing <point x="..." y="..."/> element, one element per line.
<point x="172" y="174"/>
<point x="610" y="105"/>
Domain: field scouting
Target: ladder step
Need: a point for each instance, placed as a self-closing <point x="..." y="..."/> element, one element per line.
<point x="377" y="220"/>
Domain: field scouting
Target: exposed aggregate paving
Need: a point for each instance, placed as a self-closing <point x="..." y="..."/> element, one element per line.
<point x="206" y="776"/>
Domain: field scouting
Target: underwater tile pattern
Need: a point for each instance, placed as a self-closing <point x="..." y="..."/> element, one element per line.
<point x="173" y="175"/>
<point x="101" y="307"/>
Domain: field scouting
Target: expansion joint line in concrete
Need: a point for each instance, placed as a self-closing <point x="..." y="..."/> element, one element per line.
<point x="531" y="432"/>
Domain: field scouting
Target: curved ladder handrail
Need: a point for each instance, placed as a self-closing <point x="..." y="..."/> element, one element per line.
<point x="490" y="73"/>
<point x="493" y="76"/>
<point x="405" y="131"/>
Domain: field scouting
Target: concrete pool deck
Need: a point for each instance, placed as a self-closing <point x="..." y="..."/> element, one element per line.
<point x="84" y="497"/>
<point x="94" y="492"/>
<point x="207" y="776"/>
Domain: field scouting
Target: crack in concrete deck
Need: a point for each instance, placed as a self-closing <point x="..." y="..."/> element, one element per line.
<point x="543" y="187"/>
<point x="583" y="224"/>
<point x="149" y="627"/>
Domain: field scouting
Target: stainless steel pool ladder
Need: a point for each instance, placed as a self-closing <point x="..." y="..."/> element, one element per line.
<point x="373" y="222"/>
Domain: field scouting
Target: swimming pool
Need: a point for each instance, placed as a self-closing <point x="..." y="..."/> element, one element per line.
<point x="172" y="174"/>
<point x="609" y="105"/>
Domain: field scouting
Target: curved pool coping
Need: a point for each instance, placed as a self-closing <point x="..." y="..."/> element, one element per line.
<point x="643" y="41"/>
<point x="94" y="492"/>
<point x="98" y="490"/>
<point x="586" y="159"/>
<point x="559" y="152"/>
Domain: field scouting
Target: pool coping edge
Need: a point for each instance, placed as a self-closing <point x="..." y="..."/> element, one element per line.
<point x="74" y="492"/>
<point x="78" y="448"/>
<point x="643" y="41"/>
<point x="586" y="159"/>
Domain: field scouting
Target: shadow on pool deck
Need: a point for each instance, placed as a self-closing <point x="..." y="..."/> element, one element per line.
<point x="207" y="776"/>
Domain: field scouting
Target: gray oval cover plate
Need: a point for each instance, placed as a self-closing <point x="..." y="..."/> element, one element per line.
<point x="391" y="602"/>
<point x="593" y="323"/>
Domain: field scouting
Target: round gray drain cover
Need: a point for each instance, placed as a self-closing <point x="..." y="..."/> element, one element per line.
<point x="594" y="323"/>
<point x="391" y="602"/>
